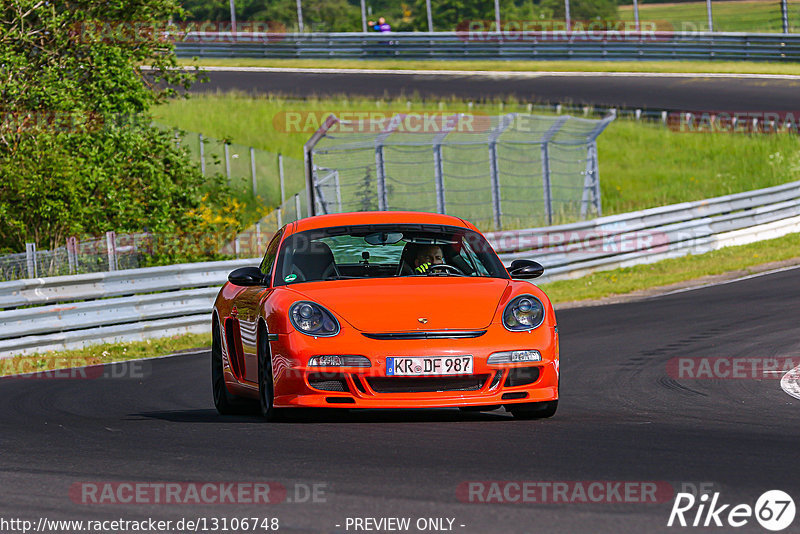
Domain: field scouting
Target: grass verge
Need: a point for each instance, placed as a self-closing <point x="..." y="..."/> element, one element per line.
<point x="101" y="354"/>
<point x="714" y="67"/>
<point x="642" y="165"/>
<point x="732" y="16"/>
<point x="641" y="277"/>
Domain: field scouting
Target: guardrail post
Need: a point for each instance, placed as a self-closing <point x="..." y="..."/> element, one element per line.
<point x="111" y="248"/>
<point x="297" y="206"/>
<point x="253" y="171"/>
<point x="202" y="155"/>
<point x="72" y="254"/>
<point x="30" y="253"/>
<point x="280" y="217"/>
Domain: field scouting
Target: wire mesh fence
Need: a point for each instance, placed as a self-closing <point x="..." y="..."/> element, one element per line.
<point x="507" y="171"/>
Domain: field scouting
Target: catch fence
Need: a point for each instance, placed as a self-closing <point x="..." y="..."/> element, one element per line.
<point x="507" y="171"/>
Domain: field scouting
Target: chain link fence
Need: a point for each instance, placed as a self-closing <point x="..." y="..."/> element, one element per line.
<point x="500" y="172"/>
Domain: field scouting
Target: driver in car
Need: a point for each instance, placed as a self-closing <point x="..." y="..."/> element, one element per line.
<point x="427" y="256"/>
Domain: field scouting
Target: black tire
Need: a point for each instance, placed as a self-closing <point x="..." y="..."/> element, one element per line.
<point x="266" y="384"/>
<point x="533" y="410"/>
<point x="225" y="402"/>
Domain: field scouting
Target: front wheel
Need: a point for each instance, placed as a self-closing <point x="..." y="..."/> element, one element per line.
<point x="266" y="382"/>
<point x="533" y="410"/>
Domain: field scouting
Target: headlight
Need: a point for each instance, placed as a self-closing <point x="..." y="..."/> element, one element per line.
<point x="312" y="319"/>
<point x="525" y="312"/>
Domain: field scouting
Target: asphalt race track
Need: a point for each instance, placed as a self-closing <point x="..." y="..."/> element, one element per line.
<point x="650" y="92"/>
<point x="621" y="418"/>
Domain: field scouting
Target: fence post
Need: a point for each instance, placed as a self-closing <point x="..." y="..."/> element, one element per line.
<point x="280" y="217"/>
<point x="111" y="247"/>
<point x="202" y="155"/>
<point x="785" y="16"/>
<point x="258" y="239"/>
<point x="297" y="206"/>
<point x="380" y="171"/>
<point x="253" y="171"/>
<point x="228" y="162"/>
<point x="591" y="183"/>
<point x="30" y="253"/>
<point x="495" y="179"/>
<point x="236" y="247"/>
<point x="280" y="175"/>
<point x="72" y="254"/>
<point x="548" y="199"/>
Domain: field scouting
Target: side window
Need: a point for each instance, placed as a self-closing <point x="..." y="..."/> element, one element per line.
<point x="270" y="254"/>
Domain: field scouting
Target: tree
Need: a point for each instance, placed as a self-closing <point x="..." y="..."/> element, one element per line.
<point x="78" y="154"/>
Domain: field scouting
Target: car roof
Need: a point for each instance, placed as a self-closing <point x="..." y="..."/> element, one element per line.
<point x="377" y="217"/>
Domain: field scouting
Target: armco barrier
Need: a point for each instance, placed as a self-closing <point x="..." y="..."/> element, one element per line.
<point x="71" y="311"/>
<point x="574" y="250"/>
<point x="466" y="45"/>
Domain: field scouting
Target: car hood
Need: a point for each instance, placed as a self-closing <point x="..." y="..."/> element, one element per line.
<point x="399" y="304"/>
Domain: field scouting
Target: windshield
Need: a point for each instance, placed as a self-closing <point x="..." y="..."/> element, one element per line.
<point x="385" y="251"/>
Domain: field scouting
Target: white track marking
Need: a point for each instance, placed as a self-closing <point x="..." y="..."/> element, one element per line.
<point x="790" y="383"/>
<point x="508" y="74"/>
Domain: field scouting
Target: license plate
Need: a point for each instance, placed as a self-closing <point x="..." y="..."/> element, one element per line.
<point x="436" y="365"/>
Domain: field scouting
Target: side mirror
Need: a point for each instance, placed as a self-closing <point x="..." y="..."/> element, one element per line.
<point x="525" y="269"/>
<point x="247" y="276"/>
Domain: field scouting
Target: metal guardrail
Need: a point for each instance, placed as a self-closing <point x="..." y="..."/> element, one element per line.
<point x="482" y="45"/>
<point x="574" y="250"/>
<point x="69" y="311"/>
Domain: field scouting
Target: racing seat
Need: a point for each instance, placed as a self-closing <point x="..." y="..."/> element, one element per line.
<point x="406" y="265"/>
<point x="314" y="263"/>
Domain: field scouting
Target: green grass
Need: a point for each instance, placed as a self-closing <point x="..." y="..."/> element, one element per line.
<point x="628" y="280"/>
<point x="735" y="67"/>
<point x="642" y="165"/>
<point x="730" y="16"/>
<point x="100" y="354"/>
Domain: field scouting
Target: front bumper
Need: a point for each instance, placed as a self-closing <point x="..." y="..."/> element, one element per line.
<point x="298" y="385"/>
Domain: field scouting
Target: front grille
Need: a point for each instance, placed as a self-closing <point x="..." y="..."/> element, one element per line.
<point x="426" y="384"/>
<point x="327" y="383"/>
<point x="426" y="334"/>
<point x="521" y="376"/>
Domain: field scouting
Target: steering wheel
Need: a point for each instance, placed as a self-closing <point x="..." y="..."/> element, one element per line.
<point x="446" y="268"/>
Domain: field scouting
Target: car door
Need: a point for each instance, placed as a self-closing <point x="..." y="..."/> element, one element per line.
<point x="247" y="304"/>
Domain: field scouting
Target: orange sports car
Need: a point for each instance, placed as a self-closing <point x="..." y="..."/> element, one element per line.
<point x="384" y="310"/>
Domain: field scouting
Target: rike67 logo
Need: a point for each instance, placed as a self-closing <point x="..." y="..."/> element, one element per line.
<point x="774" y="510"/>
